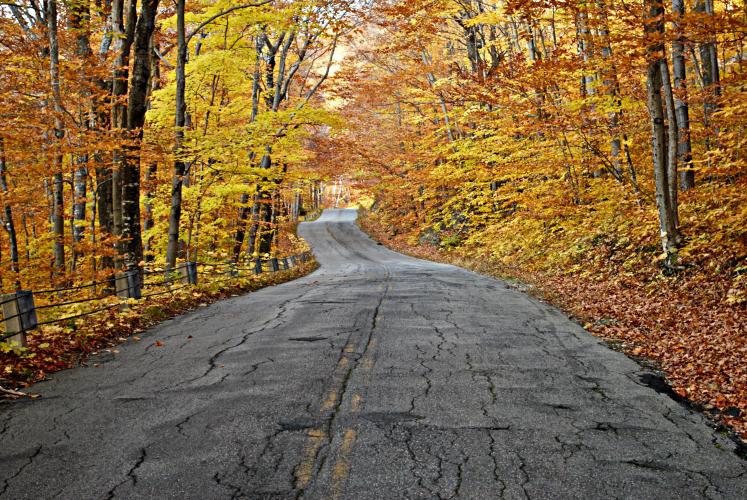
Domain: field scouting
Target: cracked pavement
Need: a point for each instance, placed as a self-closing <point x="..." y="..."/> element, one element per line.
<point x="378" y="376"/>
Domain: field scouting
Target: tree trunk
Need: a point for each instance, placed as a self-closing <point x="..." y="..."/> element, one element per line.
<point x="266" y="197"/>
<point x="79" y="18"/>
<point x="252" y="238"/>
<point x="80" y="184"/>
<point x="244" y="200"/>
<point x="710" y="74"/>
<point x="679" y="68"/>
<point x="238" y="240"/>
<point x="58" y="210"/>
<point x="611" y="86"/>
<point x="672" y="140"/>
<point x="175" y="210"/>
<point x="654" y="29"/>
<point x="104" y="209"/>
<point x="123" y="24"/>
<point x="264" y="227"/>
<point x="8" y="218"/>
<point x="585" y="49"/>
<point x="148" y="224"/>
<point x="152" y="171"/>
<point x="137" y="106"/>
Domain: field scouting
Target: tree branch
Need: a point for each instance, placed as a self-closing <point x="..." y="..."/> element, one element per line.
<point x="221" y="14"/>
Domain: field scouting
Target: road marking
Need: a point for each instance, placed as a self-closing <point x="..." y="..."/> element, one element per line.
<point x="341" y="470"/>
<point x="314" y="440"/>
<point x="368" y="362"/>
<point x="316" y="437"/>
<point x="331" y="400"/>
<point x="355" y="403"/>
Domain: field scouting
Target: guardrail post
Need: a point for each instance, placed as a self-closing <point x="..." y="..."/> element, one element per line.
<point x="294" y="261"/>
<point x="232" y="270"/>
<point x="285" y="264"/>
<point x="188" y="272"/>
<point x="258" y="266"/>
<point x="127" y="285"/>
<point x="274" y="264"/>
<point x="20" y="316"/>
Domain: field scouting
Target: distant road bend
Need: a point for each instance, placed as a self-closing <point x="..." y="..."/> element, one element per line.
<point x="378" y="377"/>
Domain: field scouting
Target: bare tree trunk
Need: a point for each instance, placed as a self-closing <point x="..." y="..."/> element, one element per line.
<point x="710" y="74"/>
<point x="586" y="83"/>
<point x="252" y="237"/>
<point x="679" y="68"/>
<point x="104" y="208"/>
<point x="585" y="48"/>
<point x="79" y="18"/>
<point x="151" y="172"/>
<point x="197" y="219"/>
<point x="123" y="24"/>
<point x="238" y="240"/>
<point x="266" y="197"/>
<point x="175" y="210"/>
<point x="58" y="211"/>
<point x="104" y="201"/>
<point x="8" y="218"/>
<point x="80" y="184"/>
<point x="92" y="233"/>
<point x="148" y="224"/>
<point x="673" y="141"/>
<point x="611" y="89"/>
<point x="654" y="29"/>
<point x="263" y="238"/>
<point x="136" y="108"/>
<point x="244" y="210"/>
<point x="297" y="205"/>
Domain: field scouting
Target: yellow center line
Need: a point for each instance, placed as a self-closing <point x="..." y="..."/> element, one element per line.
<point x="314" y="440"/>
<point x="356" y="402"/>
<point x="342" y="466"/>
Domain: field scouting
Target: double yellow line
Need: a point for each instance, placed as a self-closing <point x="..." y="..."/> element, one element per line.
<point x="315" y="438"/>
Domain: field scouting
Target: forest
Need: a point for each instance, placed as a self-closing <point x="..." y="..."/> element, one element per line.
<point x="591" y="151"/>
<point x="146" y="144"/>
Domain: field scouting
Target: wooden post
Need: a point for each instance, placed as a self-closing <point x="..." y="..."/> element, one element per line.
<point x="127" y="285"/>
<point x="232" y="270"/>
<point x="192" y="269"/>
<point x="258" y="266"/>
<point x="285" y="264"/>
<point x="294" y="261"/>
<point x="188" y="272"/>
<point x="19" y="315"/>
<point x="275" y="266"/>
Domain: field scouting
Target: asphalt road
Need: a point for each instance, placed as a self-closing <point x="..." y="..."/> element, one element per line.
<point x="379" y="376"/>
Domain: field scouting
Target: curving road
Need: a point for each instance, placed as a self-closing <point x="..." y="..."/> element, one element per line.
<point x="379" y="376"/>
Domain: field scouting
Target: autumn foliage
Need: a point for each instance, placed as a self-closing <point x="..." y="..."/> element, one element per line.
<point x="544" y="141"/>
<point x="594" y="149"/>
<point x="136" y="137"/>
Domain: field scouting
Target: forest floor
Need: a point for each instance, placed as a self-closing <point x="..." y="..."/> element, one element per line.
<point x="53" y="348"/>
<point x="679" y="325"/>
